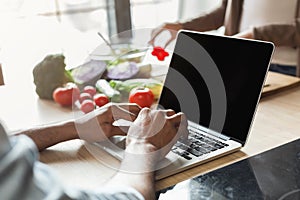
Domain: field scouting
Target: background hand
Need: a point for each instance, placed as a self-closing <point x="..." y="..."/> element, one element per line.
<point x="173" y="28"/>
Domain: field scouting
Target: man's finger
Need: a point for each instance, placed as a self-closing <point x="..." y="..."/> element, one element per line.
<point x="119" y="130"/>
<point x="131" y="107"/>
<point x="183" y="133"/>
<point x="168" y="42"/>
<point x="177" y="118"/>
<point x="127" y="112"/>
<point x="182" y="128"/>
<point x="154" y="34"/>
<point x="145" y="113"/>
<point x="170" y="112"/>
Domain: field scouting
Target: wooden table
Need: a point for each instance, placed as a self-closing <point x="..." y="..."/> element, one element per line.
<point x="276" y="122"/>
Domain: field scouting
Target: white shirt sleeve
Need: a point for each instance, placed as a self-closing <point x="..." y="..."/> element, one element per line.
<point x="23" y="177"/>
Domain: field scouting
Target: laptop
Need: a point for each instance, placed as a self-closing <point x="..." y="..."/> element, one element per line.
<point x="216" y="81"/>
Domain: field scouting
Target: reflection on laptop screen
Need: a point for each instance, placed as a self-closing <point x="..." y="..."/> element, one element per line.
<point x="216" y="81"/>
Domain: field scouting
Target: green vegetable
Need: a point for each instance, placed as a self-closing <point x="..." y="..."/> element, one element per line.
<point x="49" y="74"/>
<point x="103" y="86"/>
<point x="126" y="86"/>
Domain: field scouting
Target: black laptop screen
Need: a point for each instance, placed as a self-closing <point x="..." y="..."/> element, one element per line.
<point x="216" y="81"/>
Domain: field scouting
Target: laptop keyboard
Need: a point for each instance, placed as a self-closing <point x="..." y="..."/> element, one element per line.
<point x="198" y="145"/>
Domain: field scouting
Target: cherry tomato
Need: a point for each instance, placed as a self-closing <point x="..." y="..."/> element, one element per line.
<point x="83" y="96"/>
<point x="141" y="96"/>
<point x="65" y="96"/>
<point x="90" y="89"/>
<point x="101" y="99"/>
<point x="87" y="106"/>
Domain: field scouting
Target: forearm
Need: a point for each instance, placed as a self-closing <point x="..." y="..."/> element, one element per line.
<point x="143" y="182"/>
<point x="137" y="171"/>
<point x="92" y="127"/>
<point x="279" y="34"/>
<point x="49" y="135"/>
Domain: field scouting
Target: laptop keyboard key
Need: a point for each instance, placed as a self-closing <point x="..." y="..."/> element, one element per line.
<point x="198" y="145"/>
<point x="195" y="152"/>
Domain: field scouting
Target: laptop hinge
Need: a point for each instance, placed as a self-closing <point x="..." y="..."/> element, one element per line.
<point x="218" y="135"/>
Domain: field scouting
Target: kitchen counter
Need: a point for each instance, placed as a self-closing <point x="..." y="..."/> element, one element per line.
<point x="274" y="174"/>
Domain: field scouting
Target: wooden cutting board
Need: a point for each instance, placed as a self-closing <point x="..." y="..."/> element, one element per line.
<point x="277" y="82"/>
<point x="1" y="76"/>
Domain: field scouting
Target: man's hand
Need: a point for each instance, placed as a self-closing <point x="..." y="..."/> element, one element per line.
<point x="93" y="127"/>
<point x="99" y="125"/>
<point x="154" y="132"/>
<point x="173" y="28"/>
<point x="149" y="139"/>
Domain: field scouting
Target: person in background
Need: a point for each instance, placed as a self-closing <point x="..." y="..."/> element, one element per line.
<point x="23" y="177"/>
<point x="270" y="20"/>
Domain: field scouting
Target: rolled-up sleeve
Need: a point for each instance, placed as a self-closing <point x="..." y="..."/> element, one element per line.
<point x="280" y="34"/>
<point x="23" y="177"/>
<point x="207" y="22"/>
